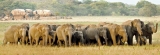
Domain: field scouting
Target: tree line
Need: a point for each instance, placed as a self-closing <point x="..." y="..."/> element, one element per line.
<point x="83" y="8"/>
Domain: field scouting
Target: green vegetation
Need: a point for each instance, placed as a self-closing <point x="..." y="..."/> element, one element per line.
<point x="85" y="8"/>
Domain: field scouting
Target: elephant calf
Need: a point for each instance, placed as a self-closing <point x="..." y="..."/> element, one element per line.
<point x="78" y="37"/>
<point x="94" y="33"/>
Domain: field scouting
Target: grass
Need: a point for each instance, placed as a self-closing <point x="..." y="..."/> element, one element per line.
<point x="82" y="50"/>
<point x="85" y="50"/>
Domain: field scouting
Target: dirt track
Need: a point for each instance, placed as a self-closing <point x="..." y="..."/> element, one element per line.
<point x="93" y="19"/>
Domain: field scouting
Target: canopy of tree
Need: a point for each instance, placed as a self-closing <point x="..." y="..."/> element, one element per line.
<point x="85" y="8"/>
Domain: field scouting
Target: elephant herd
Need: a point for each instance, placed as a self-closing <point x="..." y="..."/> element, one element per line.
<point x="78" y="34"/>
<point x="28" y="14"/>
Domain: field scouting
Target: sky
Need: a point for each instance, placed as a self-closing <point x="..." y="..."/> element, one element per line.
<point x="132" y="2"/>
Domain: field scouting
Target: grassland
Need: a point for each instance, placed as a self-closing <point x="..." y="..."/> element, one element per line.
<point x="82" y="50"/>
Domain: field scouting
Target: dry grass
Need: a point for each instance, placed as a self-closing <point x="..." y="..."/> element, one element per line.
<point x="82" y="50"/>
<point x="85" y="50"/>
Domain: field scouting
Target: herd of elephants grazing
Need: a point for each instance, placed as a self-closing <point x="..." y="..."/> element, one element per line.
<point x="29" y="14"/>
<point x="102" y="33"/>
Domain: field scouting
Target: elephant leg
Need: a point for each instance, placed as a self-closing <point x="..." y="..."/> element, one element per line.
<point x="113" y="39"/>
<point x="30" y="38"/>
<point x="46" y="40"/>
<point x="98" y="40"/>
<point x="59" y="42"/>
<point x="70" y="38"/>
<point x="106" y="41"/>
<point x="37" y="41"/>
<point x="130" y="40"/>
<point x="4" y="42"/>
<point x="138" y="38"/>
<point x="26" y="41"/>
<point x="16" y="39"/>
<point x="49" y="40"/>
<point x="23" y="40"/>
<point x="150" y="39"/>
<point x="65" y="39"/>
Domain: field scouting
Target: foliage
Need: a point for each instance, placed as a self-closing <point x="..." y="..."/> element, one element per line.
<point x="146" y="8"/>
<point x="7" y="5"/>
<point x="83" y="8"/>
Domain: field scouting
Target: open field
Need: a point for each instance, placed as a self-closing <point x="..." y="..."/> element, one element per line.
<point x="82" y="50"/>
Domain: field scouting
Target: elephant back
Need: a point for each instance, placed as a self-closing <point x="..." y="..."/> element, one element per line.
<point x="28" y="10"/>
<point x="18" y="12"/>
<point x="40" y="12"/>
<point x="47" y="12"/>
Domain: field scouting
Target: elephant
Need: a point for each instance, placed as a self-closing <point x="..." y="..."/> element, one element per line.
<point x="16" y="33"/>
<point x="115" y="31"/>
<point x="29" y="14"/>
<point x="77" y="38"/>
<point x="39" y="31"/>
<point x="39" y="12"/>
<point x="148" y="30"/>
<point x="102" y="23"/>
<point x="43" y="13"/>
<point x="54" y="26"/>
<point x="36" y="17"/>
<point x="134" y="27"/>
<point x="91" y="32"/>
<point x="50" y="39"/>
<point x="47" y="13"/>
<point x="18" y="14"/>
<point x="64" y="33"/>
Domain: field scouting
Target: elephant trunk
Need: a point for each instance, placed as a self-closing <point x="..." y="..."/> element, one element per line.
<point x="24" y="33"/>
<point x="82" y="39"/>
<point x="155" y="30"/>
<point x="139" y="29"/>
<point x="46" y="37"/>
<point x="124" y="37"/>
<point x="105" y="37"/>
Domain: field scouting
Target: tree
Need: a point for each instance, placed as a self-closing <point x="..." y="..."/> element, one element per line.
<point x="146" y="8"/>
<point x="142" y="3"/>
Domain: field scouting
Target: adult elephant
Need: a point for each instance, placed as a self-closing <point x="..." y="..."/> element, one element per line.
<point x="148" y="30"/>
<point x="16" y="33"/>
<point x="29" y="14"/>
<point x="116" y="31"/>
<point x="64" y="33"/>
<point x="91" y="32"/>
<point x="134" y="27"/>
<point x="39" y="12"/>
<point x="18" y="14"/>
<point x="47" y="13"/>
<point x="102" y="23"/>
<point x="39" y="31"/>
